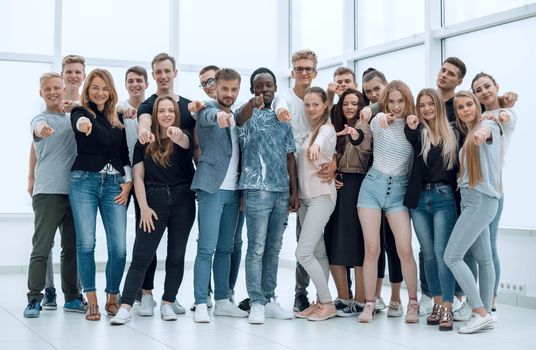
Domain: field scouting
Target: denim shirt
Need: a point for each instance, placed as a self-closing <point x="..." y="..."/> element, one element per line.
<point x="265" y="143"/>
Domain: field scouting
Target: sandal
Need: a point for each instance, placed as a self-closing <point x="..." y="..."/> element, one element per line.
<point x="434" y="318"/>
<point x="92" y="312"/>
<point x="445" y="324"/>
<point x="112" y="304"/>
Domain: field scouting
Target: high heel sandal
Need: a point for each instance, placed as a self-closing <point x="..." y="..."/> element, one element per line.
<point x="446" y="322"/>
<point x="434" y="318"/>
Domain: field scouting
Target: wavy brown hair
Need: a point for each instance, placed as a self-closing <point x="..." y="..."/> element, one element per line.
<point x="398" y="85"/>
<point x="470" y="153"/>
<point x="162" y="148"/>
<point x="109" y="106"/>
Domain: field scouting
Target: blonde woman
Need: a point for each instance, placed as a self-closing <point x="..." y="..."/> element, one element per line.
<point x="430" y="197"/>
<point x="101" y="180"/>
<point x="480" y="187"/>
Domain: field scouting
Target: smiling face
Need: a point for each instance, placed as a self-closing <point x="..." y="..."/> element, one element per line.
<point x="299" y="72"/>
<point x="427" y="108"/>
<point x="396" y="104"/>
<point x="73" y="75"/>
<point x="486" y="91"/>
<point x="208" y="80"/>
<point x="52" y="92"/>
<point x="227" y="92"/>
<point x="466" y="109"/>
<point x="165" y="114"/>
<point x="350" y="106"/>
<point x="373" y="89"/>
<point x="314" y="107"/>
<point x="344" y="82"/>
<point x="99" y="92"/>
<point x="164" y="74"/>
<point x="136" y="85"/>
<point x="264" y="84"/>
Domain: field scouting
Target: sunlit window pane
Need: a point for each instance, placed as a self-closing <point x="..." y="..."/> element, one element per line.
<point x="318" y="25"/>
<point x="126" y="30"/>
<point x="381" y="21"/>
<point x="27" y="26"/>
<point x="461" y="10"/>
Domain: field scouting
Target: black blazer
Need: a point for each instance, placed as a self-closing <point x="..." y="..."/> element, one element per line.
<point x="106" y="144"/>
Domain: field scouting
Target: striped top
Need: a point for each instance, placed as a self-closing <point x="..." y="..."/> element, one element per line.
<point x="391" y="150"/>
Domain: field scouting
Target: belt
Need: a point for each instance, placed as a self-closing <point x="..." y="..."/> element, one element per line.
<point x="432" y="185"/>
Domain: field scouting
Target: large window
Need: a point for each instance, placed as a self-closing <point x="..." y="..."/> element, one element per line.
<point x="510" y="64"/>
<point x="318" y="25"/>
<point x="462" y="10"/>
<point x="381" y="21"/>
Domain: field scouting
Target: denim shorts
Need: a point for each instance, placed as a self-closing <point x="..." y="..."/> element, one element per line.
<point x="383" y="192"/>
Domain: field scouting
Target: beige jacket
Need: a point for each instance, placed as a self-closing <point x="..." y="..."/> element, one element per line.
<point x="355" y="159"/>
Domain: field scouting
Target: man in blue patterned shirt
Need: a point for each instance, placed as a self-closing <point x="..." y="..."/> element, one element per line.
<point x="269" y="183"/>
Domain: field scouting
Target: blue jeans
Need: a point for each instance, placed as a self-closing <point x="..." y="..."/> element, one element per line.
<point x="236" y="255"/>
<point x="91" y="191"/>
<point x="493" y="231"/>
<point x="267" y="215"/>
<point x="217" y="219"/>
<point x="471" y="233"/>
<point x="433" y="221"/>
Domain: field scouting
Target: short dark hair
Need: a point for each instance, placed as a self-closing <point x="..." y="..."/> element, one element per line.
<point x="344" y="70"/>
<point x="138" y="70"/>
<point x="207" y="68"/>
<point x="261" y="70"/>
<point x="455" y="61"/>
<point x="372" y="73"/>
<point x="227" y="74"/>
<point x="162" y="57"/>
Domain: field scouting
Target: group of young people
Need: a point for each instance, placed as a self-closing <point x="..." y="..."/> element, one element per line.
<point x="357" y="172"/>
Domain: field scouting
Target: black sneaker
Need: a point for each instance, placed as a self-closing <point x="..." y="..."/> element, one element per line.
<point x="352" y="309"/>
<point x="49" y="300"/>
<point x="244" y="305"/>
<point x="301" y="303"/>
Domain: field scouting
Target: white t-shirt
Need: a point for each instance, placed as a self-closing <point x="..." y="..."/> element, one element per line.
<point x="131" y="129"/>
<point x="299" y="122"/>
<point x="230" y="182"/>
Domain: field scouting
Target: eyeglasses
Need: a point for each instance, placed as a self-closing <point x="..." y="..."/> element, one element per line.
<point x="307" y="70"/>
<point x="209" y="82"/>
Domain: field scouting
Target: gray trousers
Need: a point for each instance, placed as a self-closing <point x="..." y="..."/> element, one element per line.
<point x="471" y="233"/>
<point x="311" y="251"/>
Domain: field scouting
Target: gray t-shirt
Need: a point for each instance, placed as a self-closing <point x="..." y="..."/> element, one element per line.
<point x="490" y="164"/>
<point x="55" y="154"/>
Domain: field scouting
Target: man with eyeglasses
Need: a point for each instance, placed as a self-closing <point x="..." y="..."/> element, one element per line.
<point x="289" y="107"/>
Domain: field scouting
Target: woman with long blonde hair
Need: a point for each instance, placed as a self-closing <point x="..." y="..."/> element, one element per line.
<point x="480" y="186"/>
<point x="430" y="197"/>
<point x="101" y="180"/>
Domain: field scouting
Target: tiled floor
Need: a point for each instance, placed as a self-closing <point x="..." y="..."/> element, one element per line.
<point x="59" y="330"/>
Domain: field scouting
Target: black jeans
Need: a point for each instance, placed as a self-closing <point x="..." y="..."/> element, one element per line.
<point x="175" y="208"/>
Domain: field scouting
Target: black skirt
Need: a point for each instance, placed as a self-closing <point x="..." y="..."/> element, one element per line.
<point x="343" y="235"/>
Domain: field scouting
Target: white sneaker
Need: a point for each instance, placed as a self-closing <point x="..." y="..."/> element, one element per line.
<point x="256" y="313"/>
<point x="426" y="304"/>
<point x="380" y="304"/>
<point x="147" y="305"/>
<point x="178" y="308"/>
<point x="167" y="313"/>
<point x="224" y="307"/>
<point x="201" y="314"/>
<point x="456" y="304"/>
<point x="395" y="309"/>
<point x="273" y="310"/>
<point x="209" y="301"/>
<point x="477" y="323"/>
<point x="121" y="317"/>
<point x="464" y="313"/>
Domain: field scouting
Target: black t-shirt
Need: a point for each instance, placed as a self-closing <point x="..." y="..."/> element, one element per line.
<point x="187" y="122"/>
<point x="434" y="169"/>
<point x="179" y="172"/>
<point x="449" y="106"/>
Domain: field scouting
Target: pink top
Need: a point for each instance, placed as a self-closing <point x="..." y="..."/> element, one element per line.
<point x="309" y="184"/>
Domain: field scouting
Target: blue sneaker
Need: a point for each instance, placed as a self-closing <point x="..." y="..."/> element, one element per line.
<point x="76" y="305"/>
<point x="49" y="300"/>
<point x="33" y="309"/>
